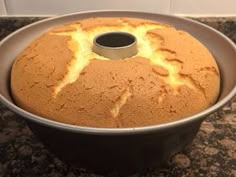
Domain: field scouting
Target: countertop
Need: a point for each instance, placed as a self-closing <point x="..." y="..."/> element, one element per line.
<point x="213" y="151"/>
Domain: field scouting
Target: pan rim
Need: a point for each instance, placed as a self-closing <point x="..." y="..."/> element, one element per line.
<point x="119" y="131"/>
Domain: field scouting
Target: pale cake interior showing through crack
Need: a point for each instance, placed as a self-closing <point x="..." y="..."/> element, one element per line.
<point x="121" y="101"/>
<point x="148" y="47"/>
<point x="81" y="44"/>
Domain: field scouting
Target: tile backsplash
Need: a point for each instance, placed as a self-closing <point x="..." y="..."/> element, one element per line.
<point x="55" y="7"/>
<point x="205" y="7"/>
<point x="52" y="7"/>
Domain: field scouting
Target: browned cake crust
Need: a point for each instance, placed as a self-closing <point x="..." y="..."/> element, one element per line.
<point x="59" y="77"/>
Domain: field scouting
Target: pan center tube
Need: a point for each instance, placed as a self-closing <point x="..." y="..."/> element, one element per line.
<point x="115" y="45"/>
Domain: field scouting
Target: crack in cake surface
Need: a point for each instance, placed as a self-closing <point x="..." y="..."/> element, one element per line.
<point x="149" y="47"/>
<point x="121" y="101"/>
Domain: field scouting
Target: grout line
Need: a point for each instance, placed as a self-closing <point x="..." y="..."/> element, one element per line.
<point x="3" y="10"/>
<point x="5" y="3"/>
<point x="170" y="6"/>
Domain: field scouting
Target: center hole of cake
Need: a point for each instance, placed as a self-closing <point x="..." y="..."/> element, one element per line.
<point x="115" y="45"/>
<point x="115" y="39"/>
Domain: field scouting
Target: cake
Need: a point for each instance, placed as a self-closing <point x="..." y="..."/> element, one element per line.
<point x="59" y="77"/>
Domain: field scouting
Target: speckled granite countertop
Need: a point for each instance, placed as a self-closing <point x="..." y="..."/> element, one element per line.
<point x="213" y="152"/>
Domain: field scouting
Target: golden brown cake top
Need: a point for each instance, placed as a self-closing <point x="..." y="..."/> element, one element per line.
<point x="171" y="71"/>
